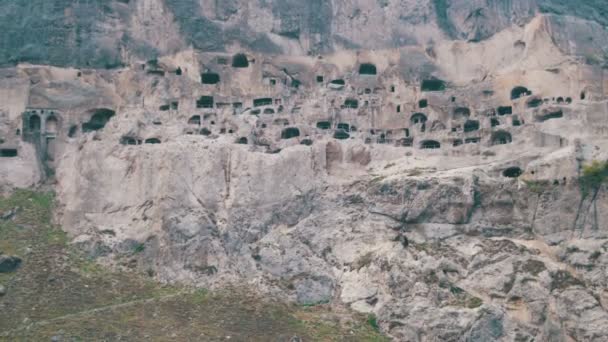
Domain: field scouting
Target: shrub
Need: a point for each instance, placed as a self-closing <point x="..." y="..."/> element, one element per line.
<point x="594" y="175"/>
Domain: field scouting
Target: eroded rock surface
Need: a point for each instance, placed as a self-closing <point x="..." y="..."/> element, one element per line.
<point x="432" y="176"/>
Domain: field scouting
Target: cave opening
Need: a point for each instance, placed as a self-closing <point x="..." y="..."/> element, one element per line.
<point x="418" y="118"/>
<point x="495" y="122"/>
<point x="98" y="120"/>
<point x="344" y="126"/>
<point x="72" y="131"/>
<point x="204" y="102"/>
<point x="210" y="78"/>
<point x="552" y="115"/>
<point x="341" y="134"/>
<point x="471" y="125"/>
<point x="269" y="111"/>
<point x="242" y="141"/>
<point x="306" y="142"/>
<point x="430" y="145"/>
<point x="152" y="141"/>
<point x="457" y="142"/>
<point x="320" y="79"/>
<point x="512" y="172"/>
<point x="194" y="120"/>
<point x="128" y="141"/>
<point x="351" y="103"/>
<point x="8" y="152"/>
<point x="266" y="101"/>
<point x="423" y="103"/>
<point x="205" y="131"/>
<point x="505" y="110"/>
<point x="433" y="85"/>
<point x="367" y="69"/>
<point x="52" y="125"/>
<point x="535" y="102"/>
<point x="519" y="91"/>
<point x="461" y="112"/>
<point x="240" y="61"/>
<point x="290" y="132"/>
<point x="324" y="125"/>
<point x="34" y="123"/>
<point x="501" y="138"/>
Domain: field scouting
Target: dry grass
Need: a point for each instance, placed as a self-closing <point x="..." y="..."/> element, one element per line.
<point x="57" y="292"/>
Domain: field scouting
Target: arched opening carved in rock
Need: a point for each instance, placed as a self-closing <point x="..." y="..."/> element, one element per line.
<point x="8" y="153"/>
<point x="351" y="103"/>
<point x="98" y="120"/>
<point x="152" y="141"/>
<point x="52" y="125"/>
<point x="34" y="123"/>
<point x="471" y="125"/>
<point x="324" y="125"/>
<point x="505" y="110"/>
<point x="266" y="101"/>
<point x="367" y="69"/>
<point x="430" y="145"/>
<point x="341" y="135"/>
<point x="204" y="102"/>
<point x="501" y="138"/>
<point x="240" y="60"/>
<point x="418" y="118"/>
<point x="290" y="132"/>
<point x="433" y="85"/>
<point x="242" y="141"/>
<point x="512" y="172"/>
<point x="461" y="112"/>
<point x="210" y="78"/>
<point x="519" y="91"/>
<point x="194" y="120"/>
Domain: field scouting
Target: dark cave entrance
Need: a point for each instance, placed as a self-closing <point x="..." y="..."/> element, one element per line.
<point x="194" y="120"/>
<point x="262" y="102"/>
<point x="471" y="125"/>
<point x="242" y="141"/>
<point x="512" y="172"/>
<point x="205" y="102"/>
<point x="291" y="132"/>
<point x="324" y="125"/>
<point x="34" y="123"/>
<point x="367" y="69"/>
<point x="433" y="85"/>
<point x="418" y="118"/>
<point x="461" y="112"/>
<point x="519" y="91"/>
<point x="99" y="120"/>
<point x="210" y="78"/>
<point x="341" y="134"/>
<point x="240" y="60"/>
<point x="152" y="141"/>
<point x="430" y="145"/>
<point x="8" y="153"/>
<point x="423" y="103"/>
<point x="505" y="110"/>
<point x="501" y="138"/>
<point x="351" y="103"/>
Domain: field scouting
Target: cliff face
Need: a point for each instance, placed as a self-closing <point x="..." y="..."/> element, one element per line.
<point x="422" y="161"/>
<point x="108" y="34"/>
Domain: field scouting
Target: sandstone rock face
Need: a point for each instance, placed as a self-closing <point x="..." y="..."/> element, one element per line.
<point x="419" y="160"/>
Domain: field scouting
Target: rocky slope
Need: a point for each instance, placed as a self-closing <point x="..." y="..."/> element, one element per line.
<point x="428" y="162"/>
<point x="114" y="33"/>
